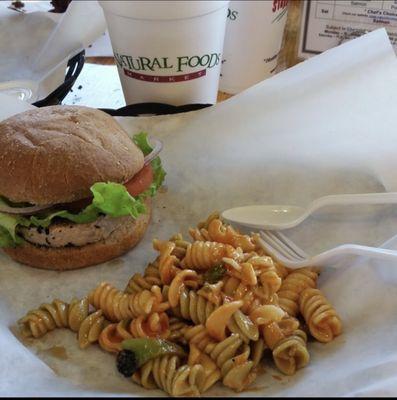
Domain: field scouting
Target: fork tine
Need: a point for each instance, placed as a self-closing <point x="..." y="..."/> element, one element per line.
<point x="272" y="251"/>
<point x="291" y="245"/>
<point x="283" y="247"/>
<point x="279" y="246"/>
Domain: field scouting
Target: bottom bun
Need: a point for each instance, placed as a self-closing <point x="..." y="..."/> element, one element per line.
<point x="67" y="258"/>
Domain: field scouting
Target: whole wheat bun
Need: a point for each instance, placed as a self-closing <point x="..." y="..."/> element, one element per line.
<point x="68" y="258"/>
<point x="54" y="154"/>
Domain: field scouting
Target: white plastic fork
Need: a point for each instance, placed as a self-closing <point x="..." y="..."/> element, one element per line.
<point x="286" y="252"/>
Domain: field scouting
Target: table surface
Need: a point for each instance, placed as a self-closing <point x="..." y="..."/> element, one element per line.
<point x="106" y="92"/>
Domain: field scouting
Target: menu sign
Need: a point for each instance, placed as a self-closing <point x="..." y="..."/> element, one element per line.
<point x="327" y="23"/>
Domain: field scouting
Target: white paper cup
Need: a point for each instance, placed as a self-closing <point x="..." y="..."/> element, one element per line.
<point x="167" y="51"/>
<point x="254" y="33"/>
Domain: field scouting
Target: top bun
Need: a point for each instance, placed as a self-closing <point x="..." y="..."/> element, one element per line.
<point x="54" y="154"/>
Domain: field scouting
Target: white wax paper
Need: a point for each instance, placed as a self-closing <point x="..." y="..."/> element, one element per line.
<point x="102" y="47"/>
<point x="323" y="127"/>
<point x="35" y="47"/>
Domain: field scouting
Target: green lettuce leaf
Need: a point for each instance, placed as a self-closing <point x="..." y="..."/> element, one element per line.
<point x="141" y="140"/>
<point x="158" y="176"/>
<point x="87" y="215"/>
<point x="6" y="239"/>
<point x="8" y="224"/>
<point x="109" y="198"/>
<point x="113" y="199"/>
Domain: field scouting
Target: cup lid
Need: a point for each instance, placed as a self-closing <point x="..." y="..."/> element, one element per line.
<point x="161" y="10"/>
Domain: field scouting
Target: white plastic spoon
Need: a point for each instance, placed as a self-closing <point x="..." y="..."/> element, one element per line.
<point x="278" y="217"/>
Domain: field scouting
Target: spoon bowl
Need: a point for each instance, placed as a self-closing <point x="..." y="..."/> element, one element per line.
<point x="264" y="216"/>
<point x="279" y="217"/>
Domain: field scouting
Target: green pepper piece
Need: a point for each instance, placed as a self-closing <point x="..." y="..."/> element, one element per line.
<point x="145" y="349"/>
<point x="215" y="274"/>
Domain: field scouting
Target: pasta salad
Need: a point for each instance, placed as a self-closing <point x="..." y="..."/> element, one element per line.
<point x="212" y="309"/>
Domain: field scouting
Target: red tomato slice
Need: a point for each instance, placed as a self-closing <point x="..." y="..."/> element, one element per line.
<point x="140" y="182"/>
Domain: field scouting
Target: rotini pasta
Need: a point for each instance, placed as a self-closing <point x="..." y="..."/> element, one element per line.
<point x="266" y="314"/>
<point x="201" y="232"/>
<point x="186" y="278"/>
<point x="167" y="373"/>
<point x="221" y="297"/>
<point x="91" y="328"/>
<point x="204" y="255"/>
<point x="213" y="229"/>
<point x="234" y="288"/>
<point x="268" y="274"/>
<point x="168" y="262"/>
<point x="275" y="331"/>
<point x="117" y="305"/>
<point x="177" y="330"/>
<point x="110" y="339"/>
<point x="292" y="286"/>
<point x="212" y="292"/>
<point x="211" y="370"/>
<point x="205" y="224"/>
<point x="244" y="326"/>
<point x="50" y="316"/>
<point x="138" y="282"/>
<point x="218" y="232"/>
<point x="180" y="246"/>
<point x="236" y="369"/>
<point x="258" y="348"/>
<point x="244" y="272"/>
<point x="123" y="329"/>
<point x="323" y="321"/>
<point x="242" y="282"/>
<point x="291" y="353"/>
<point x="218" y="320"/>
<point x="281" y="270"/>
<point x="152" y="325"/>
<point x="193" y="307"/>
<point x="288" y="344"/>
<point x="252" y="297"/>
<point x="58" y="314"/>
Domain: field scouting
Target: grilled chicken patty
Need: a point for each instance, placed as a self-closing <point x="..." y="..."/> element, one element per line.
<point x="65" y="233"/>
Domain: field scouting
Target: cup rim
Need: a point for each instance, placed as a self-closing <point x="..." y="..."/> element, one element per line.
<point x="165" y="10"/>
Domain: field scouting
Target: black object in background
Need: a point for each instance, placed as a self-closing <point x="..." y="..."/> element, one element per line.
<point x="60" y="6"/>
<point x="140" y="109"/>
<point x="75" y="65"/>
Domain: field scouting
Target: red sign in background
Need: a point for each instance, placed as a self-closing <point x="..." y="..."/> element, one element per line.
<point x="165" y="79"/>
